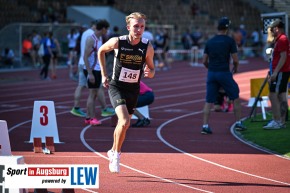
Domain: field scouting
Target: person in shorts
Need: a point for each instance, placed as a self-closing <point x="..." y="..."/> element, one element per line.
<point x="92" y="69"/>
<point x="217" y="53"/>
<point x="82" y="81"/>
<point x="279" y="75"/>
<point x="133" y="58"/>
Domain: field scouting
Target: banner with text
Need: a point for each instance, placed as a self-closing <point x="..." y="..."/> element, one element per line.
<point x="49" y="176"/>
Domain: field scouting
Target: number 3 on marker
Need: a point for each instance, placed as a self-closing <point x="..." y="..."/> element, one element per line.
<point x="44" y="118"/>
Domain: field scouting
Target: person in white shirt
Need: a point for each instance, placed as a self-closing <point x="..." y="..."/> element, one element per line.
<point x="82" y="81"/>
<point x="72" y="55"/>
<point x="148" y="35"/>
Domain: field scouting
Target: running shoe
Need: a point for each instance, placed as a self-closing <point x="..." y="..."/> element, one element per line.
<point x="138" y="123"/>
<point x="141" y="123"/>
<point x="240" y="127"/>
<point x="110" y="154"/>
<point x="206" y="130"/>
<point x="283" y="125"/>
<point x="107" y="112"/>
<point x="230" y="107"/>
<point x="114" y="161"/>
<point x="273" y="125"/>
<point x="87" y="121"/>
<point x="93" y="122"/>
<point x="146" y="122"/>
<point x="78" y="112"/>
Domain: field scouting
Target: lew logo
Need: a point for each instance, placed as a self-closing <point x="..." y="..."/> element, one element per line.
<point x="84" y="176"/>
<point x="48" y="176"/>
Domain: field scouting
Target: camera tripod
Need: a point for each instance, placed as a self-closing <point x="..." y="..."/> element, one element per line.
<point x="259" y="99"/>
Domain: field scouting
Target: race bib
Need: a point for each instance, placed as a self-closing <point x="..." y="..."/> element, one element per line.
<point x="129" y="75"/>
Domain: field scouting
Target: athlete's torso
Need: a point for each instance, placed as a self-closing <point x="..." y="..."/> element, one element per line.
<point x="93" y="57"/>
<point x="129" y="63"/>
<point x="84" y="37"/>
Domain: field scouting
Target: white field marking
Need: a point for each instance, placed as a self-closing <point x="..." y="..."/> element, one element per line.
<point x="64" y="95"/>
<point x="65" y="84"/>
<point x="131" y="168"/>
<point x="164" y="83"/>
<point x="66" y="102"/>
<point x="62" y="156"/>
<point x="16" y="109"/>
<point x="152" y="108"/>
<point x="39" y="98"/>
<point x="89" y="190"/>
<point x="65" y="87"/>
<point x="234" y="133"/>
<point x="131" y="140"/>
<point x="61" y="103"/>
<point x="158" y="132"/>
<point x="177" y="104"/>
<point x="28" y="121"/>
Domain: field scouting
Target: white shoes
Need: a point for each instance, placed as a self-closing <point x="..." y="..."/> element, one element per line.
<point x="114" y="161"/>
<point x="273" y="125"/>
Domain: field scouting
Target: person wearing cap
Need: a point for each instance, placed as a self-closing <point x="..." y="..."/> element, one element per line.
<point x="216" y="58"/>
<point x="279" y="75"/>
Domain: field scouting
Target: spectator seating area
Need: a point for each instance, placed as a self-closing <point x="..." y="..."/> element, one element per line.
<point x="180" y="13"/>
<point x="278" y="5"/>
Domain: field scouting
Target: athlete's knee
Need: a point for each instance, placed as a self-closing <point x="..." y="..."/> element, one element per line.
<point x="124" y="123"/>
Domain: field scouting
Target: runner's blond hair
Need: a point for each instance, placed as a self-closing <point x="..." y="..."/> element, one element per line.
<point x="135" y="15"/>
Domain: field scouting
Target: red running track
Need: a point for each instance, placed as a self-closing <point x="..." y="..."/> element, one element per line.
<point x="168" y="156"/>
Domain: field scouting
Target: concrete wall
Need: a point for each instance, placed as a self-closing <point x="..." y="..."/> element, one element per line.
<point x="85" y="14"/>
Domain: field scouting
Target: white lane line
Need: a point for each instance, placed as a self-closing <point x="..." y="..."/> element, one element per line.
<point x="168" y="144"/>
<point x="158" y="132"/>
<point x="28" y="121"/>
<point x="63" y="156"/>
<point x="134" y="169"/>
<point x="236" y="135"/>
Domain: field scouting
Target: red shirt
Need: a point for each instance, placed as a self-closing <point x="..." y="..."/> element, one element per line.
<point x="26" y="46"/>
<point x="281" y="45"/>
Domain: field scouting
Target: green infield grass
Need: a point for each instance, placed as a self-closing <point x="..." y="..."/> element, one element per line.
<point x="277" y="141"/>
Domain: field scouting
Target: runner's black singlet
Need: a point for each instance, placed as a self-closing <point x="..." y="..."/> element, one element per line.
<point x="129" y="63"/>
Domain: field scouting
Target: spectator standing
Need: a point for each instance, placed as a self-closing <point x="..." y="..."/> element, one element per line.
<point x="27" y="50"/>
<point x="162" y="46"/>
<point x="197" y="37"/>
<point x="124" y="85"/>
<point x="187" y="43"/>
<point x="72" y="54"/>
<point x="243" y="40"/>
<point x="238" y="37"/>
<point x="92" y="69"/>
<point x="217" y="53"/>
<point x="255" y="42"/>
<point x="36" y="40"/>
<point x="47" y="53"/>
<point x="279" y="75"/>
<point x="82" y="81"/>
<point x="7" y="56"/>
<point x="56" y="52"/>
<point x="148" y="35"/>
